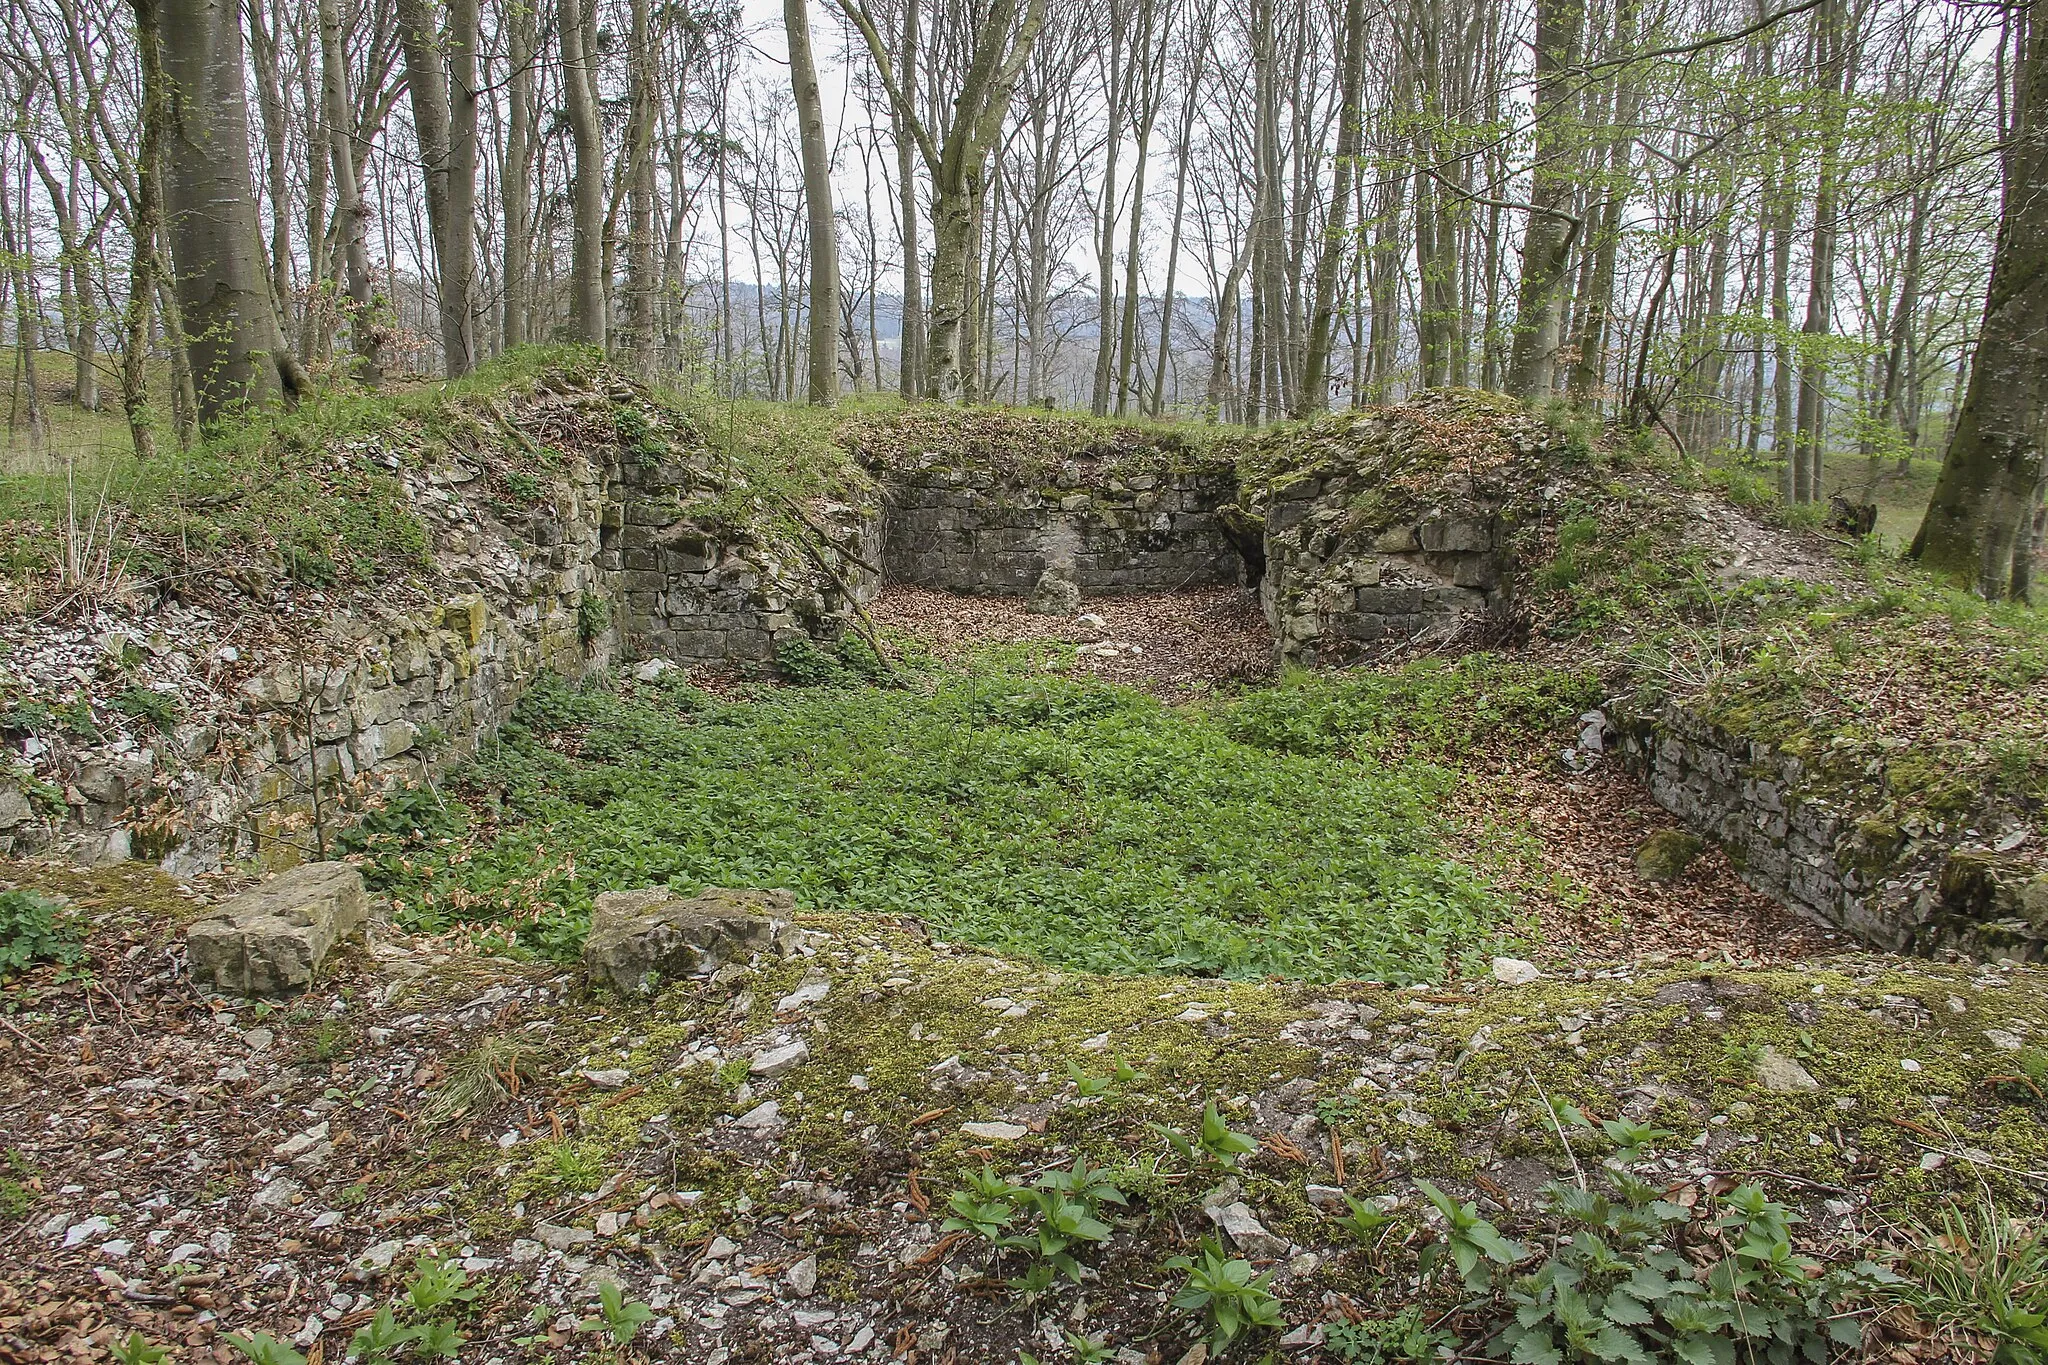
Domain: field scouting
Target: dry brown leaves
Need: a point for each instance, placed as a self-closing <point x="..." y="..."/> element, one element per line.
<point x="1174" y="645"/>
<point x="1590" y="902"/>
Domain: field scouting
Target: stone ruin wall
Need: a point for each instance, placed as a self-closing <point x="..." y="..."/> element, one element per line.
<point x="1880" y="885"/>
<point x="1342" y="586"/>
<point x="969" y="532"/>
<point x="415" y="692"/>
<point x="692" y="593"/>
<point x="604" y="567"/>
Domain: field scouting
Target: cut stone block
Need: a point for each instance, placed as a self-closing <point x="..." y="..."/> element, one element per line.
<point x="639" y="939"/>
<point x="270" y="939"/>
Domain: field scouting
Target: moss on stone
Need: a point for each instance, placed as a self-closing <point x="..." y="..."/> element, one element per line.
<point x="1665" y="855"/>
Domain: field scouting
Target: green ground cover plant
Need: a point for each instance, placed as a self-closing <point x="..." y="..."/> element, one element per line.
<point x="1085" y="825"/>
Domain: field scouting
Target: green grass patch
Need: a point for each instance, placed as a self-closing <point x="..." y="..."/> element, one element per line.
<point x="1088" y="826"/>
<point x="314" y="491"/>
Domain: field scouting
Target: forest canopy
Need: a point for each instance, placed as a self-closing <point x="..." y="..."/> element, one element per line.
<point x="1764" y="232"/>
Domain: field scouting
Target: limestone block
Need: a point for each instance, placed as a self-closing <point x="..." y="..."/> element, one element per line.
<point x="1464" y="535"/>
<point x="464" y="615"/>
<point x="270" y="939"/>
<point x="641" y="938"/>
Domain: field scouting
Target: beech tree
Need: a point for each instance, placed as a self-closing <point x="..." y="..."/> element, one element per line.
<point x="1980" y="523"/>
<point x="228" y="316"/>
<point x="823" y="361"/>
<point x="955" y="149"/>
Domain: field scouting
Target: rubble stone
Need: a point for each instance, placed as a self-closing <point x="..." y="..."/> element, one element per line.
<point x="639" y="939"/>
<point x="271" y="939"/>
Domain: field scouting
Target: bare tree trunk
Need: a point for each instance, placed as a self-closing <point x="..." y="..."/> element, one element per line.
<point x="458" y="249"/>
<point x="636" y="339"/>
<point x="1227" y="311"/>
<point x="586" y="268"/>
<point x="1315" y="372"/>
<point x="228" y="318"/>
<point x="1979" y="523"/>
<point x="824" y="240"/>
<point x="144" y="226"/>
<point x="27" y="328"/>
<point x="910" y="347"/>
<point x="1781" y="196"/>
<point x="271" y="115"/>
<point x="1151" y="76"/>
<point x="1119" y="84"/>
<point x="1808" y="440"/>
<point x="448" y="157"/>
<point x="1589" y="372"/>
<point x="1548" y="236"/>
<point x="1198" y="53"/>
<point x="351" y="214"/>
<point x="514" y="184"/>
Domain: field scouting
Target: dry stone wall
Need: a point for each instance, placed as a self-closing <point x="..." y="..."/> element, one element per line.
<point x="1342" y="585"/>
<point x="694" y="592"/>
<point x="362" y="702"/>
<point x="973" y="532"/>
<point x="1904" y="891"/>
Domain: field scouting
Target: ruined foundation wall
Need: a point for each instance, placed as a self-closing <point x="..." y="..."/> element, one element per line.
<point x="970" y="532"/>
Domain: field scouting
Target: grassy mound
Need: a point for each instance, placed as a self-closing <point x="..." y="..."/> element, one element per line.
<point x="1291" y="833"/>
<point x="344" y="491"/>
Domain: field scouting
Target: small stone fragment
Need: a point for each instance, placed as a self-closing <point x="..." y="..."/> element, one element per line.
<point x="378" y="1257"/>
<point x="1246" y="1232"/>
<point x="558" y="1238"/>
<point x="1325" y="1196"/>
<point x="1782" y="1075"/>
<point x="810" y="992"/>
<point x="763" y="1117"/>
<point x="995" y="1132"/>
<point x="776" y="1060"/>
<point x="802" y="1278"/>
<point x="85" y="1229"/>
<point x="1513" y="971"/>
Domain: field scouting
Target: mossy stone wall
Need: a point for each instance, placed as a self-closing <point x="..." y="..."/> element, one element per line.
<point x="974" y="532"/>
<point x="1790" y="840"/>
<point x="1346" y="579"/>
<point x="695" y="591"/>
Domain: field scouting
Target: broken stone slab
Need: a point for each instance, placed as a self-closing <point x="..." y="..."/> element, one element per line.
<point x="272" y="938"/>
<point x="640" y="938"/>
<point x="1782" y="1075"/>
<point x="1246" y="1232"/>
<point x="1055" y="595"/>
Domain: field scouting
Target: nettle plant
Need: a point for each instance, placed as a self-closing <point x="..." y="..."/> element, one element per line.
<point x="1634" y="1278"/>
